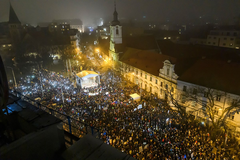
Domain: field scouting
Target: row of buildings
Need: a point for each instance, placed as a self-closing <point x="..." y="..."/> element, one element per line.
<point x="220" y="38"/>
<point x="14" y="34"/>
<point x="162" y="67"/>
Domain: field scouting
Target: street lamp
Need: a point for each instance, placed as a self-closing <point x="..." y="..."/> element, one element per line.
<point x="13" y="76"/>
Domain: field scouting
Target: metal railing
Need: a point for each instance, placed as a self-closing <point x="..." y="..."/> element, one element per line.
<point x="70" y="124"/>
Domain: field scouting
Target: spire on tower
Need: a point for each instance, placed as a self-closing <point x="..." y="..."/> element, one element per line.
<point x="115" y="16"/>
<point x="12" y="16"/>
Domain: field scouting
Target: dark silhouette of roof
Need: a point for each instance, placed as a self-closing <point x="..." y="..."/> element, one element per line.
<point x="145" y="42"/>
<point x="13" y="16"/>
<point x="214" y="74"/>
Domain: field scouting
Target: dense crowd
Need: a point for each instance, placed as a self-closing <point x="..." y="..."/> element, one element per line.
<point x="146" y="129"/>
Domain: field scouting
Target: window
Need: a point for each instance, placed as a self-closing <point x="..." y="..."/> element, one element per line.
<point x="205" y="94"/>
<point x="213" y="43"/>
<point x="168" y="71"/>
<point x="231" y="39"/>
<point x="117" y="31"/>
<point x="214" y="37"/>
<point x="156" y="81"/>
<point x="150" y="89"/>
<point x="151" y="79"/>
<point x="224" y="44"/>
<point x="225" y="38"/>
<point x="145" y="86"/>
<point x="145" y="76"/>
<point x="161" y="84"/>
<point x="209" y="42"/>
<point x="184" y="88"/>
<point x="141" y="74"/>
<point x="160" y="91"/>
<point x="232" y="117"/>
<point x="194" y="91"/>
<point x="4" y="45"/>
<point x="234" y="101"/>
<point x="230" y="44"/>
<point x="136" y="72"/>
<point x="129" y="69"/>
<point x="218" y="98"/>
<point x="166" y="86"/>
<point x="172" y="89"/>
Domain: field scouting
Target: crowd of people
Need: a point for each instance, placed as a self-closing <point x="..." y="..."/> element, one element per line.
<point x="146" y="129"/>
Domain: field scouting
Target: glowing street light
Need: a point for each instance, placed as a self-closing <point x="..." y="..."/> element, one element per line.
<point x="97" y="50"/>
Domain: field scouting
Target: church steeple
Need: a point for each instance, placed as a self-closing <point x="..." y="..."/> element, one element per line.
<point x="115" y="16"/>
<point x="12" y="16"/>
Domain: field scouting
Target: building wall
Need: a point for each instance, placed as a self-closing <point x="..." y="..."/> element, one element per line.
<point x="221" y="103"/>
<point x="154" y="84"/>
<point x="224" y="39"/>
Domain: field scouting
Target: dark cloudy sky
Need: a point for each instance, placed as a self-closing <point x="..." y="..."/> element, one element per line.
<point x="33" y="11"/>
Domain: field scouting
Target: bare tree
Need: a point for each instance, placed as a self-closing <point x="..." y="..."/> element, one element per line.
<point x="208" y="104"/>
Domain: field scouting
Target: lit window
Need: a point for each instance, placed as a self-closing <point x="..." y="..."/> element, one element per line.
<point x="4" y="45"/>
<point x="165" y="37"/>
<point x="9" y="45"/>
<point x="169" y="37"/>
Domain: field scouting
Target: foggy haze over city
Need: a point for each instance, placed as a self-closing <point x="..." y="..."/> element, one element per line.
<point x="89" y="11"/>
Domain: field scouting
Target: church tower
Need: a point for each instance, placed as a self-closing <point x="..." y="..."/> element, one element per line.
<point x="15" y="27"/>
<point x="115" y="31"/>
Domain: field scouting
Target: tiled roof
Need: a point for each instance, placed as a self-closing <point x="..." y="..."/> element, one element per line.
<point x="147" y="61"/>
<point x="141" y="42"/>
<point x="214" y="74"/>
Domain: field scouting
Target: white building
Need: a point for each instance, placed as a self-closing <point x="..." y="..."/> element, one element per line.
<point x="176" y="69"/>
<point x="221" y="38"/>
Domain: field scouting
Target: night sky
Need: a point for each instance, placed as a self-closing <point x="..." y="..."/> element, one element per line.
<point x="176" y="11"/>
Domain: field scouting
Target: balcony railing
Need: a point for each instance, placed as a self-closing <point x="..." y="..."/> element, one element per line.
<point x="70" y="124"/>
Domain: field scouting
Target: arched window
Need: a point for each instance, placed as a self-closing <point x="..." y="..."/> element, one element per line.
<point x="117" y="30"/>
